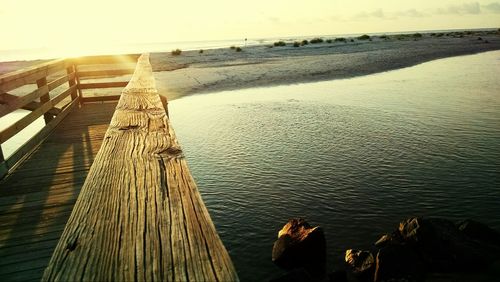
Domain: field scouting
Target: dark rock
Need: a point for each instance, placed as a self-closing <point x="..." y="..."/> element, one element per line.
<point x="480" y="232"/>
<point x="443" y="246"/>
<point x="296" y="275"/>
<point x="386" y="239"/>
<point x="338" y="276"/>
<point x="398" y="263"/>
<point x="361" y="264"/>
<point x="300" y="245"/>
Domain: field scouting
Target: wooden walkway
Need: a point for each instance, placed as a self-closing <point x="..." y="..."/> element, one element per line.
<point x="36" y="199"/>
<point x="95" y="202"/>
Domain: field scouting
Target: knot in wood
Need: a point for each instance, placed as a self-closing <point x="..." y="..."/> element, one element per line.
<point x="171" y="152"/>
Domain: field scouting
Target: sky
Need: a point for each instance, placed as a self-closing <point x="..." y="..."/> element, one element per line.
<point x="34" y="23"/>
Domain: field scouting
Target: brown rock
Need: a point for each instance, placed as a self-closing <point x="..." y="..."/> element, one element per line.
<point x="361" y="264"/>
<point x="300" y="245"/>
<point x="398" y="262"/>
<point x="444" y="247"/>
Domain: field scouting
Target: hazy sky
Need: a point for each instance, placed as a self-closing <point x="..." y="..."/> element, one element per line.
<point x="34" y="23"/>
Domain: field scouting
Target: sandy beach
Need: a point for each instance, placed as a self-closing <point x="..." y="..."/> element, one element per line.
<point x="193" y="72"/>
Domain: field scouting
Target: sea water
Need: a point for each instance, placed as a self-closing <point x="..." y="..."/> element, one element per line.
<point x="353" y="156"/>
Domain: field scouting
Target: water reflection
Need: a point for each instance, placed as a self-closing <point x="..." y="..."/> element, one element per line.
<point x="354" y="156"/>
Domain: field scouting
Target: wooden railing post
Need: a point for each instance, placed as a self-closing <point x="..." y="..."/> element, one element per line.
<point x="44" y="98"/>
<point x="71" y="70"/>
<point x="77" y="78"/>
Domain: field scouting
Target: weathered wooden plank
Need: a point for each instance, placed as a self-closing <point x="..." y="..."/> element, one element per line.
<point x="105" y="73"/>
<point x="139" y="215"/>
<point x="29" y="75"/>
<point x="22" y="100"/>
<point x="98" y="85"/>
<point x="31" y="106"/>
<point x="101" y="98"/>
<point x="61" y="80"/>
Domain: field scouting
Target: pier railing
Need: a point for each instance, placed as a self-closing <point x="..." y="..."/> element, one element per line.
<point x="52" y="90"/>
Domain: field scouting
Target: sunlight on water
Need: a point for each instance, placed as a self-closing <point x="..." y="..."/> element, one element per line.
<point x="354" y="156"/>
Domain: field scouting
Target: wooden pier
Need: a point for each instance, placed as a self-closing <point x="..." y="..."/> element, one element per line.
<point x="102" y="192"/>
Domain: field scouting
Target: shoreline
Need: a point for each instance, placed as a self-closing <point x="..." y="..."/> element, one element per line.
<point x="224" y="69"/>
<point x="261" y="66"/>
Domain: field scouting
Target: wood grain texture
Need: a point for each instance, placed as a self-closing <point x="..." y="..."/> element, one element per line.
<point x="139" y="215"/>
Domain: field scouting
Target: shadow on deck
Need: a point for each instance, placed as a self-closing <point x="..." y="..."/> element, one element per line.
<point x="37" y="198"/>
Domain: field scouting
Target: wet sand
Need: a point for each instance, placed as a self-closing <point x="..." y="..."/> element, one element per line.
<point x="226" y="69"/>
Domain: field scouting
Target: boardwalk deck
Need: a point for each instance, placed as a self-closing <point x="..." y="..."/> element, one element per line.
<point x="36" y="199"/>
<point x="102" y="203"/>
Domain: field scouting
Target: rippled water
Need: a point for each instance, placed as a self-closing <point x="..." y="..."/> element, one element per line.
<point x="354" y="156"/>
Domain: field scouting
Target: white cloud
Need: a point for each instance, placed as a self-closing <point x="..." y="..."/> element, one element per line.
<point x="472" y="8"/>
<point x="492" y="7"/>
<point x="412" y="13"/>
<point x="378" y="14"/>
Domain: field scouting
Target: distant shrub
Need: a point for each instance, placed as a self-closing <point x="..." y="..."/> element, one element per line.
<point x="238" y="49"/>
<point x="433" y="34"/>
<point x="201" y="51"/>
<point x="232" y="47"/>
<point x="316" y="40"/>
<point x="176" y="52"/>
<point x="279" y="43"/>
<point x="296" y="44"/>
<point x="329" y="41"/>
<point x="383" y="36"/>
<point x="304" y="42"/>
<point x="440" y="35"/>
<point x="479" y="38"/>
<point x="340" y="39"/>
<point x="417" y="35"/>
<point x="364" y="37"/>
<point x="352" y="40"/>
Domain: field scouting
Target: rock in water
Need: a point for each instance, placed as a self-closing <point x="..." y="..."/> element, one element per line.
<point x="444" y="247"/>
<point x="398" y="263"/>
<point x="300" y="245"/>
<point x="480" y="232"/>
<point x="361" y="264"/>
